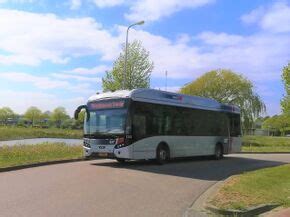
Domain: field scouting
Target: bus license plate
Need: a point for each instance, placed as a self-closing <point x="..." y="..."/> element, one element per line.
<point x="103" y="154"/>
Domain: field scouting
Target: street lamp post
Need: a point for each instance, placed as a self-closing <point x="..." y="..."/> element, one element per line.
<point x="126" y="48"/>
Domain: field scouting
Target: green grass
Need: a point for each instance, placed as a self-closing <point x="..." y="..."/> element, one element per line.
<point x="11" y="133"/>
<point x="271" y="185"/>
<point x="266" y="141"/>
<point x="266" y="149"/>
<point x="266" y="144"/>
<point x="27" y="154"/>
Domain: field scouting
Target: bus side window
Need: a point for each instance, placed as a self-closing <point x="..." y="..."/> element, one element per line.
<point x="235" y="125"/>
<point x="139" y="126"/>
<point x="168" y="125"/>
<point x="179" y="122"/>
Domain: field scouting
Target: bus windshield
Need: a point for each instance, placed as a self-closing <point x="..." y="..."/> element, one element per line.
<point x="106" y="117"/>
<point x="110" y="121"/>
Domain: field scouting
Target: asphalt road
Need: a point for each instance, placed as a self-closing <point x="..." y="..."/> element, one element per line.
<point x="106" y="188"/>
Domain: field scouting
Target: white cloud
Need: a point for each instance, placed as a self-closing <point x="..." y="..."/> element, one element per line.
<point x="90" y="71"/>
<point x="75" y="4"/>
<point x="16" y="1"/>
<point x="76" y="77"/>
<point x="31" y="38"/>
<point x="82" y="89"/>
<point x="108" y="3"/>
<point x="40" y="82"/>
<point x="54" y="81"/>
<point x="20" y="101"/>
<point x="176" y="57"/>
<point x="275" y="18"/>
<point x="151" y="10"/>
<point x="249" y="55"/>
<point x="254" y="55"/>
<point x="254" y="16"/>
<point x="18" y="59"/>
<point x="220" y="39"/>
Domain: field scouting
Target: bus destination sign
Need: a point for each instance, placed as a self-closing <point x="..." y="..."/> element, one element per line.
<point x="106" y="105"/>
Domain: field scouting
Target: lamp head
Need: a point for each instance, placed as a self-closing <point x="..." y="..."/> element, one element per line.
<point x="140" y="23"/>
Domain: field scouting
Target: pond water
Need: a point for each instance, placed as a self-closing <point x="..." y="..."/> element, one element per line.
<point x="41" y="140"/>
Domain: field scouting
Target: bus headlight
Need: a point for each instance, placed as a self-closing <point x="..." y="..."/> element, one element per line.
<point x="119" y="146"/>
<point x="87" y="144"/>
<point x="120" y="142"/>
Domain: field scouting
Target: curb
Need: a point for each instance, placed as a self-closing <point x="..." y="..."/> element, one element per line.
<point x="252" y="211"/>
<point x="20" y="167"/>
<point x="199" y="207"/>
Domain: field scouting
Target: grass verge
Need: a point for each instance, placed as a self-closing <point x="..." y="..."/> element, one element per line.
<point x="28" y="154"/>
<point x="265" y="149"/>
<point x="266" y="144"/>
<point x="266" y="141"/>
<point x="271" y="185"/>
<point x="13" y="133"/>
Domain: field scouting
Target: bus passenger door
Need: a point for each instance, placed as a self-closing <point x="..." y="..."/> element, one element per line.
<point x="228" y="140"/>
<point x="233" y="143"/>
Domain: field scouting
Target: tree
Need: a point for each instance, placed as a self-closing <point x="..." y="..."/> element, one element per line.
<point x="33" y="114"/>
<point x="285" y="103"/>
<point x="259" y="122"/>
<point x="278" y="123"/>
<point x="228" y="87"/>
<point x="58" y="116"/>
<point x="5" y="114"/>
<point x="139" y="68"/>
<point x="68" y="124"/>
<point x="45" y="117"/>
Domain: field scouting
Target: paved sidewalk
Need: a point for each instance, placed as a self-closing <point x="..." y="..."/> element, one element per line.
<point x="278" y="213"/>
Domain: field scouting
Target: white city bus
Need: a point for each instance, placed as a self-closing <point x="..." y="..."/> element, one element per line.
<point x="154" y="124"/>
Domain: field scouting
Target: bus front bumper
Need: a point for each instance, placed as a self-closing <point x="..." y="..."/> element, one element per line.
<point x="107" y="152"/>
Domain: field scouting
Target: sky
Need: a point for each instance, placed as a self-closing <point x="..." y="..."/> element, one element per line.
<point x="55" y="53"/>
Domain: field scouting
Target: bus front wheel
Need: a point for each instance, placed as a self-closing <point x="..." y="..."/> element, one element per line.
<point x="162" y="155"/>
<point x="219" y="152"/>
<point x="121" y="160"/>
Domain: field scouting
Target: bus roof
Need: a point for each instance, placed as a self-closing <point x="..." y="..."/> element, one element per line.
<point x="167" y="98"/>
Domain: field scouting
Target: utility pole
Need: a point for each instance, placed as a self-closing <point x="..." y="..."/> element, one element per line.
<point x="126" y="50"/>
<point x="166" y="80"/>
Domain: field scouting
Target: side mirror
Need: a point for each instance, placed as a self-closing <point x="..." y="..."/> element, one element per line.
<point x="78" y="110"/>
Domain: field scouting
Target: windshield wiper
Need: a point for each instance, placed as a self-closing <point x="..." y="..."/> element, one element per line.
<point x="99" y="135"/>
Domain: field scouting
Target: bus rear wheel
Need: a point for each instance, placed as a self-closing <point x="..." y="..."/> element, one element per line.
<point x="162" y="155"/>
<point x="219" y="152"/>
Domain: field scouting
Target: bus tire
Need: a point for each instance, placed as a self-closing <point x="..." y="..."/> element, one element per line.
<point x="219" y="152"/>
<point x="121" y="160"/>
<point x="162" y="154"/>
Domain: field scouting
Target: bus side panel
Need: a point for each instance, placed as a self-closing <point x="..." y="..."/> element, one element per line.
<point x="146" y="148"/>
<point x="180" y="146"/>
<point x="195" y="145"/>
<point x="125" y="152"/>
<point x="236" y="144"/>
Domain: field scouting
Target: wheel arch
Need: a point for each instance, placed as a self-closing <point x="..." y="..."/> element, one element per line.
<point x="163" y="144"/>
<point x="220" y="144"/>
<point x="219" y="155"/>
